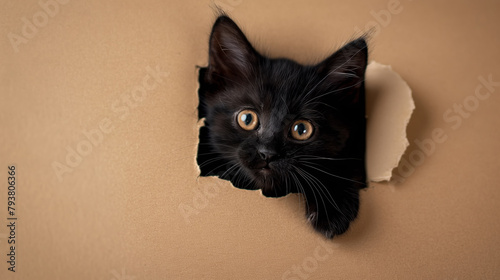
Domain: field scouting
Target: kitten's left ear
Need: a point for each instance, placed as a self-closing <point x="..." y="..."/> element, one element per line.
<point x="346" y="67"/>
<point x="231" y="56"/>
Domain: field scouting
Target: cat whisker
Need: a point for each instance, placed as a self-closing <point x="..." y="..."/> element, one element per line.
<point x="285" y="178"/>
<point x="239" y="177"/>
<point x="219" y="144"/>
<point x="284" y="102"/>
<point x="325" y="192"/>
<point x="210" y="161"/>
<point x="300" y="188"/>
<point x="215" y="153"/>
<point x="331" y="174"/>
<point x="333" y="91"/>
<point x="350" y="75"/>
<point x="311" y="187"/>
<point x="308" y="82"/>
<point x="324" y="104"/>
<point x="334" y="71"/>
<point x="230" y="169"/>
<point x="320" y="186"/>
<point x="313" y="157"/>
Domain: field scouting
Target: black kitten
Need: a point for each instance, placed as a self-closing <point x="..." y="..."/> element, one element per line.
<point x="282" y="127"/>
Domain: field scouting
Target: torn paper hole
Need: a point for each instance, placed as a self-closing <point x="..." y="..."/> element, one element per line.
<point x="389" y="106"/>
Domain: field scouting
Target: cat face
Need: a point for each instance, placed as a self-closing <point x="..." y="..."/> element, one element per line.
<point x="278" y="126"/>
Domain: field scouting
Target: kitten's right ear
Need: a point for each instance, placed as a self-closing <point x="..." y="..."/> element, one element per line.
<point x="346" y="66"/>
<point x="231" y="56"/>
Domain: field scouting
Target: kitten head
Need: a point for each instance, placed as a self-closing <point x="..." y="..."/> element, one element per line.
<point x="276" y="125"/>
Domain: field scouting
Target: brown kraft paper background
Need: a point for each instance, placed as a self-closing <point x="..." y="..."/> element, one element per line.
<point x="98" y="116"/>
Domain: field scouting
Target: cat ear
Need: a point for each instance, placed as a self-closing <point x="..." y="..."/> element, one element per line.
<point x="231" y="56"/>
<point x="346" y="67"/>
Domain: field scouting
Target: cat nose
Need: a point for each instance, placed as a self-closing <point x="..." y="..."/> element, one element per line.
<point x="267" y="154"/>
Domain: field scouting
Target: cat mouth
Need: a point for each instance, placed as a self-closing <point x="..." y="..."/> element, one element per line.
<point x="264" y="170"/>
<point x="260" y="165"/>
<point x="263" y="167"/>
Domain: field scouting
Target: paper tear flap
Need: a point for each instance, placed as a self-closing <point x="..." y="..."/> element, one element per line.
<point x="389" y="106"/>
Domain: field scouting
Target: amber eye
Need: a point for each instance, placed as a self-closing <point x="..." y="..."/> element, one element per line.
<point x="248" y="120"/>
<point x="302" y="130"/>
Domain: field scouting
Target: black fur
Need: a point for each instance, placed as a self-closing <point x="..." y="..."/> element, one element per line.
<point x="329" y="168"/>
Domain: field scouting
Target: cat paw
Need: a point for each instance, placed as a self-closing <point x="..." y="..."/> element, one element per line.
<point x="327" y="227"/>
